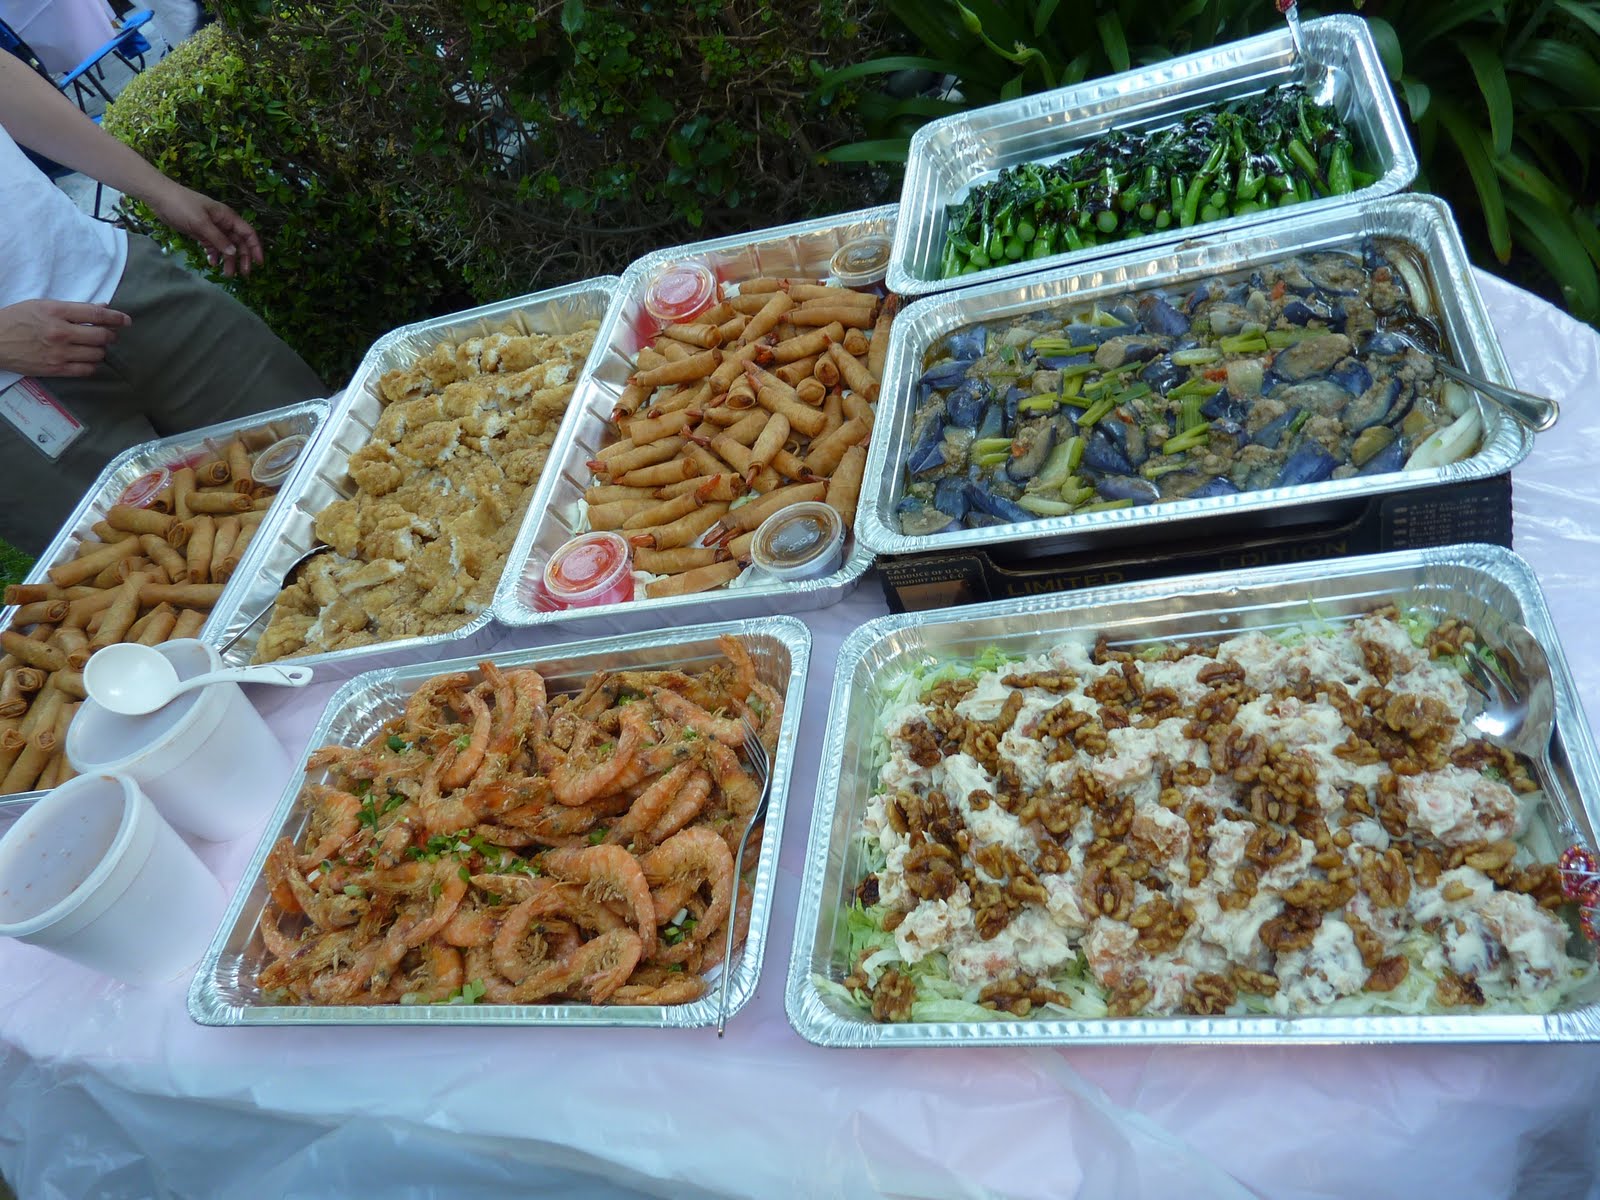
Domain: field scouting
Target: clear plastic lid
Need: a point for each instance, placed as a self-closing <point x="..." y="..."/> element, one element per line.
<point x="681" y="292"/>
<point x="145" y="488"/>
<point x="799" y="541"/>
<point x="589" y="569"/>
<point x="861" y="262"/>
<point x="274" y="463"/>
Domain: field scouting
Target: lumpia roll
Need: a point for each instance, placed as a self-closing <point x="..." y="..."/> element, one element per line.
<point x="82" y="609"/>
<point x="826" y="371"/>
<point x="612" y="515"/>
<point x="810" y="391"/>
<point x="160" y="620"/>
<point x="851" y="316"/>
<point x="677" y="560"/>
<point x="700" y="579"/>
<point x="800" y="369"/>
<point x="807" y="344"/>
<point x="682" y="532"/>
<point x="660" y="473"/>
<point x="844" y="488"/>
<point x="827" y="452"/>
<point x="858" y="409"/>
<point x="104" y="531"/>
<point x="30" y="593"/>
<point x="855" y="375"/>
<point x="69" y="683"/>
<point x="160" y="551"/>
<point x="189" y="624"/>
<point x="663" y="512"/>
<point x="32" y="652"/>
<point x="222" y="544"/>
<point x="239" y="466"/>
<point x="220" y="502"/>
<point x="119" y="618"/>
<point x="811" y="293"/>
<point x="183" y="486"/>
<point x="74" y="643"/>
<point x="696" y="366"/>
<point x="748" y="516"/>
<point x="184" y="595"/>
<point x="91" y="564"/>
<point x="855" y="342"/>
<point x="644" y="431"/>
<point x="707" y="337"/>
<point x="214" y="472"/>
<point x="40" y="612"/>
<point x="14" y="701"/>
<point x="605" y="493"/>
<point x="202" y="535"/>
<point x="241" y="543"/>
<point x="646" y="455"/>
<point x="138" y="520"/>
<point x="767" y="317"/>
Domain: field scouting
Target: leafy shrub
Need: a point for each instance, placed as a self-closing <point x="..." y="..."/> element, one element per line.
<point x="344" y="261"/>
<point x="531" y="146"/>
<point x="1504" y="98"/>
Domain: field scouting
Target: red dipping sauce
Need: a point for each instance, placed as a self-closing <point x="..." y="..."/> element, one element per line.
<point x="591" y="569"/>
<point x="680" y="293"/>
<point x="145" y="488"/>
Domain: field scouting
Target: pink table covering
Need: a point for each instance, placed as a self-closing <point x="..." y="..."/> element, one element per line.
<point x="111" y="1091"/>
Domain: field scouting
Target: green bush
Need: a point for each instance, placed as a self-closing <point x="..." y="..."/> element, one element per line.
<point x="344" y="261"/>
<point x="1504" y="99"/>
<point x="535" y="145"/>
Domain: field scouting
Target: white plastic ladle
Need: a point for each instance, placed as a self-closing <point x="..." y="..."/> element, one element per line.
<point x="131" y="679"/>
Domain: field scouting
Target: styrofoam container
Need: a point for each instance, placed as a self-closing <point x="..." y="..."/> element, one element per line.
<point x="93" y="873"/>
<point x="207" y="759"/>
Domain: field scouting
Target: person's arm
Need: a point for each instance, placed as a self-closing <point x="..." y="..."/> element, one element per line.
<point x="39" y="117"/>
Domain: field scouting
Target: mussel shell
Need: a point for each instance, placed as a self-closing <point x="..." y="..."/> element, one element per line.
<point x="1381" y="343"/>
<point x="1310" y="357"/>
<point x="993" y="422"/>
<point x="1210" y="289"/>
<point x="1220" y="406"/>
<point x="1310" y="463"/>
<point x="966" y="401"/>
<point x="1298" y="312"/>
<point x="1351" y="375"/>
<point x="920" y="519"/>
<point x="1129" y="438"/>
<point x="1054" y="362"/>
<point x="927" y="449"/>
<point x="1373" y="406"/>
<point x="1162" y="374"/>
<point x="967" y="344"/>
<point x="1116" y="351"/>
<point x="1334" y="274"/>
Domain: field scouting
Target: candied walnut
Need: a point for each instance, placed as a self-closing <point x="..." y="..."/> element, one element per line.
<point x="1062" y="720"/>
<point x="1233" y="752"/>
<point x="896" y="814"/>
<point x="1159" y="703"/>
<point x="1327" y="860"/>
<point x="1426" y="867"/>
<point x="949" y="692"/>
<point x="1357" y="750"/>
<point x="1131" y="998"/>
<point x="1246" y="882"/>
<point x="1170" y="798"/>
<point x="893" y="921"/>
<point x="1049" y="681"/>
<point x="1319" y="893"/>
<point x="1456" y="890"/>
<point x="867" y="891"/>
<point x="1367" y="941"/>
<point x="1484" y="856"/>
<point x="1220" y="672"/>
<point x="1292" y="929"/>
<point x="1453" y="991"/>
<point x="1019" y="995"/>
<point x="1450" y="637"/>
<point x="1052" y="859"/>
<point x="1110" y="688"/>
<point x="1091" y="738"/>
<point x="1209" y="995"/>
<point x="1268" y="846"/>
<point x="1482" y="756"/>
<point x="1110" y="893"/>
<point x="990" y="912"/>
<point x="1187" y="774"/>
<point x="1114" y="817"/>
<point x="1161" y="926"/>
<point x="978" y="799"/>
<point x="1378" y="663"/>
<point x="922" y="744"/>
<point x="1385" y="878"/>
<point x="893" y="997"/>
<point x="930" y="871"/>
<point x="1542" y="882"/>
<point x="1257" y="982"/>
<point x="1103" y="653"/>
<point x="1392" y="816"/>
<point x="1390" y="974"/>
<point x="1114" y="716"/>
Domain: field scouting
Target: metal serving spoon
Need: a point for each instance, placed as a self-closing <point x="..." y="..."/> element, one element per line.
<point x="289" y="577"/>
<point x="1538" y="413"/>
<point x="1321" y="80"/>
<point x="131" y="679"/>
<point x="1520" y="714"/>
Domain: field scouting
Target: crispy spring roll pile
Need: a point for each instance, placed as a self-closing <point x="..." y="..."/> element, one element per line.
<point x="761" y="401"/>
<point x="143" y="575"/>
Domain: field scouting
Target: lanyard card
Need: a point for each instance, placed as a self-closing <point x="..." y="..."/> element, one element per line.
<point x="39" y="417"/>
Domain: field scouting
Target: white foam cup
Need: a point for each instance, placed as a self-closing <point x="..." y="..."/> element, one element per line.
<point x="207" y="759"/>
<point x="91" y="872"/>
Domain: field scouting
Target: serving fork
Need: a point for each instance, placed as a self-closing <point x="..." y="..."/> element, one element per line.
<point x="756" y="755"/>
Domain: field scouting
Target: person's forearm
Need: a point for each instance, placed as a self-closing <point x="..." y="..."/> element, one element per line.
<point x="46" y="122"/>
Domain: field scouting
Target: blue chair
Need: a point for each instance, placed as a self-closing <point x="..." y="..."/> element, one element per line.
<point x="125" y="45"/>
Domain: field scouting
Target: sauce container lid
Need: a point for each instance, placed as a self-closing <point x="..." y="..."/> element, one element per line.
<point x="799" y="541"/>
<point x="145" y="488"/>
<point x="862" y="261"/>
<point x="584" y="569"/>
<point x="680" y="292"/>
<point x="273" y="463"/>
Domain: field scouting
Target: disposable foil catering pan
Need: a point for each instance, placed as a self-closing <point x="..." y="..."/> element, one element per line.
<point x="802" y="249"/>
<point x="1484" y="585"/>
<point x="224" y="990"/>
<point x="950" y="156"/>
<point x="324" y="477"/>
<point x="1420" y="222"/>
<point x="258" y="431"/>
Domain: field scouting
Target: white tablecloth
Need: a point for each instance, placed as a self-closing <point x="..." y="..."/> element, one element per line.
<point x="62" y="32"/>
<point x="112" y="1092"/>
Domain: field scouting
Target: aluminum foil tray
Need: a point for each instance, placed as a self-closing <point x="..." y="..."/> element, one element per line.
<point x="224" y="991"/>
<point x="950" y="156"/>
<point x="322" y="477"/>
<point x="259" y="431"/>
<point x="1422" y="222"/>
<point x="800" y="249"/>
<point x="1485" y="585"/>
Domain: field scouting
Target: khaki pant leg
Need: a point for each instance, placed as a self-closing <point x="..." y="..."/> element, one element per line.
<point x="194" y="356"/>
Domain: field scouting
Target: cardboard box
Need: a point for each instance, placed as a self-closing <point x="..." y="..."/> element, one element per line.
<point x="1479" y="511"/>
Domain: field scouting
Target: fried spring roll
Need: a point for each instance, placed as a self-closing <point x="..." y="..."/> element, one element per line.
<point x="219" y="503"/>
<point x="832" y="415"/>
<point x="857" y="409"/>
<point x="855" y="342"/>
<point x="239" y="467"/>
<point x="120" y="616"/>
<point x="183" y="486"/>
<point x="222" y="545"/>
<point x="733" y="362"/>
<point x="799" y="369"/>
<point x="826" y="453"/>
<point x="700" y="579"/>
<point x="682" y="532"/>
<point x="41" y="745"/>
<point x="660" y="473"/>
<point x="826" y="371"/>
<point x="670" y="350"/>
<point x="639" y="456"/>
<point x="807" y="345"/>
<point x="763" y="321"/>
<point x="762" y="284"/>
<point x="739" y="547"/>
<point x="188" y="625"/>
<point x="160" y="552"/>
<point x="767" y="445"/>
<point x="695" y="367"/>
<point x="707" y="337"/>
<point x="677" y="560"/>
<point x="663" y="512"/>
<point x="748" y="516"/>
<point x="91" y="564"/>
<point x="853" y="372"/>
<point x="184" y="595"/>
<point x="74" y="643"/>
<point x="214" y="472"/>
<point x="725" y="487"/>
<point x="129" y="565"/>
<point x="82" y="609"/>
<point x="161" y="502"/>
<point x="629" y="401"/>
<point x="851" y="316"/>
<point x="731" y="328"/>
<point x="202" y="534"/>
<point x="69" y="683"/>
<point x="138" y="520"/>
<point x="812" y="293"/>
<point x="230" y="564"/>
<point x="648" y="430"/>
<point x="158" y="623"/>
<point x="14" y="700"/>
<point x="40" y="612"/>
<point x="810" y="391"/>
<point x="790" y="466"/>
<point x="801" y="417"/>
<point x="612" y="515"/>
<point x="30" y="593"/>
<point x="844" y="487"/>
<point x="32" y="651"/>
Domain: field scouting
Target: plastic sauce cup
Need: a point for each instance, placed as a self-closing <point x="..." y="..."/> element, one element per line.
<point x="589" y="570"/>
<point x="800" y="541"/>
<point x="862" y="262"/>
<point x="91" y="872"/>
<point x="274" y="463"/>
<point x="207" y="760"/>
<point x="145" y="488"/>
<point x="680" y="293"/>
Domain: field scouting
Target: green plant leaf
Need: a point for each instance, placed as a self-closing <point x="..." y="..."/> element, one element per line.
<point x="1388" y="43"/>
<point x="1586" y="14"/>
<point x="1469" y="140"/>
<point x="1115" y="43"/>
<point x="1569" y="68"/>
<point x="1041" y="17"/>
<point x="882" y="150"/>
<point x="1491" y="76"/>
<point x="1418" y="95"/>
<point x="571" y="16"/>
<point x="1552" y="241"/>
<point x="1012" y="87"/>
<point x="1449" y="17"/>
<point x="884" y="66"/>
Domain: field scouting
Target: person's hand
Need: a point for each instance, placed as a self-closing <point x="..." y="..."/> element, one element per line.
<point x="223" y="234"/>
<point x="56" y="337"/>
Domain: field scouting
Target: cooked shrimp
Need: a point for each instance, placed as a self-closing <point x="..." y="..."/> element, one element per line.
<point x="469" y="757"/>
<point x="575" y="783"/>
<point x="685" y="807"/>
<point x="649" y="806"/>
<point x="472" y="926"/>
<point x="440" y="973"/>
<point x="420" y="709"/>
<point x="486" y="803"/>
<point x="745" y="679"/>
<point x="728" y="732"/>
<point x="700" y="855"/>
<point x="325" y="912"/>
<point x="596" y="970"/>
<point x="519" y="947"/>
<point x="738" y="787"/>
<point x="337" y="816"/>
<point x="710" y="950"/>
<point x="683" y="989"/>
<point x="609" y="873"/>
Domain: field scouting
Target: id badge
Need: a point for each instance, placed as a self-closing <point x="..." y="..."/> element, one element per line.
<point x="39" y="417"/>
